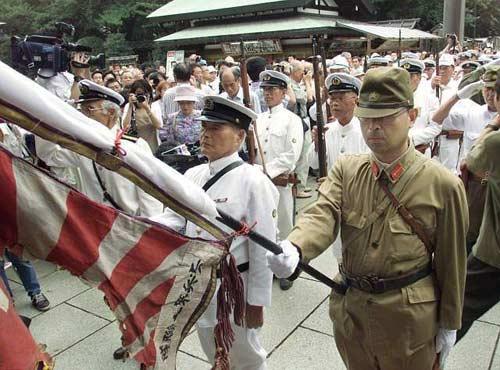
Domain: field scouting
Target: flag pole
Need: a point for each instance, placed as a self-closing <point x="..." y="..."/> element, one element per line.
<point x="276" y="249"/>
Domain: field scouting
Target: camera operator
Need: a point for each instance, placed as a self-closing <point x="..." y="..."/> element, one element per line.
<point x="139" y="119"/>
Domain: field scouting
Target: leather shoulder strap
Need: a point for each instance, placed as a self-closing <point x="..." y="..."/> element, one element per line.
<point x="405" y="179"/>
<point x="107" y="196"/>
<point x="414" y="224"/>
<point x="221" y="173"/>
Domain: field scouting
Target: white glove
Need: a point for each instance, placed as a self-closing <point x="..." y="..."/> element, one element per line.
<point x="284" y="264"/>
<point x="470" y="90"/>
<point x="445" y="340"/>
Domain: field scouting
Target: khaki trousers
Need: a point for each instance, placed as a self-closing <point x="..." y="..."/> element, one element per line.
<point x="389" y="331"/>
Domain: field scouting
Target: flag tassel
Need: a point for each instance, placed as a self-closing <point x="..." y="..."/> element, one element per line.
<point x="230" y="299"/>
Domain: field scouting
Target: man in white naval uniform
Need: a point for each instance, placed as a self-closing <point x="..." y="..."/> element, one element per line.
<point x="475" y="117"/>
<point x="281" y="135"/>
<point x="342" y="136"/>
<point x="451" y="136"/>
<point x="244" y="192"/>
<point x="98" y="183"/>
<point x="424" y="130"/>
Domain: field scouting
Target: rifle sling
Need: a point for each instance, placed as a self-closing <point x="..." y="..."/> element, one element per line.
<point x="405" y="179"/>
<point x="415" y="225"/>
<point x="107" y="196"/>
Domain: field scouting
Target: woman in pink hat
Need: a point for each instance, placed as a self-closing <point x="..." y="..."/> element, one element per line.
<point x="182" y="127"/>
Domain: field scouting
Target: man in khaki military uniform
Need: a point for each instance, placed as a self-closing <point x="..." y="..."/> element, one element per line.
<point x="403" y="280"/>
<point x="483" y="265"/>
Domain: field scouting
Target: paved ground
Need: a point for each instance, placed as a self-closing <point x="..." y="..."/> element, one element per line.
<point x="81" y="331"/>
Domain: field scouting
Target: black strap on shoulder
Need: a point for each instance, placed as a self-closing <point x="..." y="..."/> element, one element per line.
<point x="107" y="196"/>
<point x="221" y="173"/>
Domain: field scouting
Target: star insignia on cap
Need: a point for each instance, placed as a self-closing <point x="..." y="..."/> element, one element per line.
<point x="266" y="78"/>
<point x="336" y="81"/>
<point x="374" y="96"/>
<point x="406" y="66"/>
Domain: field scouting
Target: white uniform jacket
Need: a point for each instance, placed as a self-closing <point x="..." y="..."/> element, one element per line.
<point x="281" y="135"/>
<point x="449" y="149"/>
<point x="340" y="140"/>
<point x="249" y="196"/>
<point x="424" y="130"/>
<point x="126" y="194"/>
<point x="475" y="119"/>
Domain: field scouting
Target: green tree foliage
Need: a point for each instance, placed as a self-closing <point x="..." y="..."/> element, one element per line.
<point x="484" y="15"/>
<point x="113" y="26"/>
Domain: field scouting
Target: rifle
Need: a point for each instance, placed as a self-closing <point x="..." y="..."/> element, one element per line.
<point x="325" y="74"/>
<point x="436" y="57"/>
<point x="250" y="139"/>
<point x="320" y="124"/>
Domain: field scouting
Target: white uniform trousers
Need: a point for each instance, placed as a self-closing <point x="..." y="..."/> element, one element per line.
<point x="449" y="152"/>
<point x="285" y="211"/>
<point x="302" y="167"/>
<point x="246" y="353"/>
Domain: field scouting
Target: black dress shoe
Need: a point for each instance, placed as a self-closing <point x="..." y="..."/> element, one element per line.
<point x="120" y="354"/>
<point x="285" y="284"/>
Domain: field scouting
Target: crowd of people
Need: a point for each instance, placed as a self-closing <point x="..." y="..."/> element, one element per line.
<point x="411" y="144"/>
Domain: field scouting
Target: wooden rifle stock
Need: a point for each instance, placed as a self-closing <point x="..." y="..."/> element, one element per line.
<point x="320" y="123"/>
<point x="436" y="57"/>
<point x="250" y="139"/>
<point x="325" y="74"/>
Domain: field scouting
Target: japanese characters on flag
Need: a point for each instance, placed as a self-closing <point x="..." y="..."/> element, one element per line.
<point x="156" y="282"/>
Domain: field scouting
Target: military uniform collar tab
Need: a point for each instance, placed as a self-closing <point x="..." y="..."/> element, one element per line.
<point x="396" y="169"/>
<point x="219" y="164"/>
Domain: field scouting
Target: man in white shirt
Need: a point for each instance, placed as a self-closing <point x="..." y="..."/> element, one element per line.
<point x="98" y="183"/>
<point x="343" y="135"/>
<point x="281" y="135"/>
<point x="244" y="192"/>
<point x="231" y="83"/>
<point x="424" y="130"/>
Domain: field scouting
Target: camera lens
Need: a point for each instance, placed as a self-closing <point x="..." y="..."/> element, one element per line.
<point x="141" y="98"/>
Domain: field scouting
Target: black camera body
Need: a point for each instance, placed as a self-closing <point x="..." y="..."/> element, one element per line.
<point x="48" y="55"/>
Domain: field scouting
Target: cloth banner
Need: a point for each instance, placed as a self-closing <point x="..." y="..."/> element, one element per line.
<point x="156" y="281"/>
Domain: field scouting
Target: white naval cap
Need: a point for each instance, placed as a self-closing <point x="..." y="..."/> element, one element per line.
<point x="270" y="78"/>
<point x="469" y="64"/>
<point x="89" y="91"/>
<point x="429" y="63"/>
<point x="446" y="60"/>
<point x="342" y="82"/>
<point x="378" y="61"/>
<point x="409" y="55"/>
<point x="339" y="62"/>
<point x="413" y="65"/>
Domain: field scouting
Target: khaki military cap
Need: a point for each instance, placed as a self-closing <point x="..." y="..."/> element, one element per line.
<point x="490" y="76"/>
<point x="384" y="92"/>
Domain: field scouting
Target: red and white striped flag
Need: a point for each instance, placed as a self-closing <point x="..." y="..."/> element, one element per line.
<point x="156" y="281"/>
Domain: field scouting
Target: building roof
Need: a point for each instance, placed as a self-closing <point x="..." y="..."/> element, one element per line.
<point x="266" y="28"/>
<point x="302" y="25"/>
<point x="406" y="23"/>
<point x="387" y="33"/>
<point x="178" y="10"/>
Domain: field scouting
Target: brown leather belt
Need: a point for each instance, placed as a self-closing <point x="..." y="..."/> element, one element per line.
<point x="285" y="179"/>
<point x="376" y="285"/>
<point x="422" y="148"/>
<point x="452" y="134"/>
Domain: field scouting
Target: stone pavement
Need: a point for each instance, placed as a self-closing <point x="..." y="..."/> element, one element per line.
<point x="81" y="332"/>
